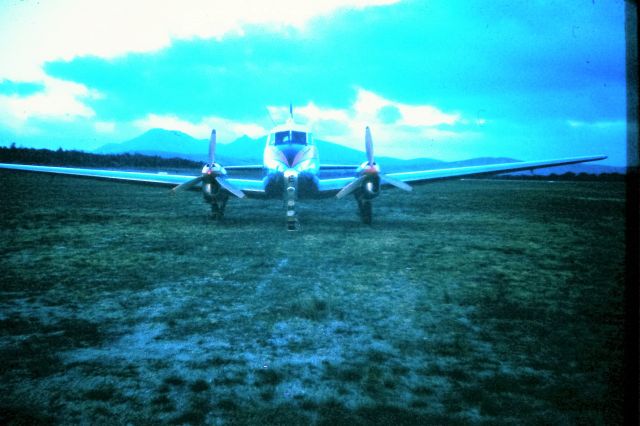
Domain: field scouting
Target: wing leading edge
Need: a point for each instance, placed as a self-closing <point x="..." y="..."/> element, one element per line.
<point x="251" y="186"/>
<point x="426" y="176"/>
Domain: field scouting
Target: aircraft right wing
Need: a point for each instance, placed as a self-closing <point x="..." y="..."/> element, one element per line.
<point x="162" y="179"/>
<point x="252" y="187"/>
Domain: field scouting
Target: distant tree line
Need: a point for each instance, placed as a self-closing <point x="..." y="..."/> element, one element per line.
<point x="567" y="176"/>
<point x="64" y="158"/>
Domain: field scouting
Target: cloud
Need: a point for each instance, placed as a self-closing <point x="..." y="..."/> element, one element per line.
<point x="369" y="107"/>
<point x="416" y="125"/>
<point x="603" y="124"/>
<point x="105" y="126"/>
<point x="65" y="29"/>
<point x="310" y="113"/>
<point x="227" y="130"/>
<point x="432" y="74"/>
<point x="58" y="100"/>
<point x="413" y="126"/>
<point x="464" y="60"/>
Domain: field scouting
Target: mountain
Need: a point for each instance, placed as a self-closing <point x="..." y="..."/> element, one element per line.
<point x="173" y="143"/>
<point x="160" y="141"/>
<point x="244" y="150"/>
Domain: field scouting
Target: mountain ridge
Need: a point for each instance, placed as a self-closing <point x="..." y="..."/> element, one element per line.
<point x="243" y="150"/>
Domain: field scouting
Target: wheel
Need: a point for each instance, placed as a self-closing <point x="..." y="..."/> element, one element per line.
<point x="216" y="212"/>
<point x="218" y="206"/>
<point x="366" y="212"/>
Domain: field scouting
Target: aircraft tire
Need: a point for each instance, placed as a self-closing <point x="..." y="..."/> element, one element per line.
<point x="216" y="213"/>
<point x="366" y="212"/>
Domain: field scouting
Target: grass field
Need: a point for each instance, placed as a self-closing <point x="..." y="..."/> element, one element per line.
<point x="466" y="302"/>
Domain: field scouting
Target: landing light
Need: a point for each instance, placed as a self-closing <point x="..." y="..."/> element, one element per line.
<point x="289" y="173"/>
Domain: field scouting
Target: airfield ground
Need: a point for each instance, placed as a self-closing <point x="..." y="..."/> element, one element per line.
<point x="476" y="301"/>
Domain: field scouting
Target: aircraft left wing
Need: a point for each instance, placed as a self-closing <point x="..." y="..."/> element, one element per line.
<point x="251" y="186"/>
<point x="426" y="176"/>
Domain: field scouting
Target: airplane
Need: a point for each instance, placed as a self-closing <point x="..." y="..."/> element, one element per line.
<point x="292" y="170"/>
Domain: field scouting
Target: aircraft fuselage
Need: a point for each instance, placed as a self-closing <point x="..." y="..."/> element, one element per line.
<point x="291" y="161"/>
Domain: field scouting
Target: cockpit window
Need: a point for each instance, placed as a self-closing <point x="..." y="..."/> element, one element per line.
<point x="290" y="137"/>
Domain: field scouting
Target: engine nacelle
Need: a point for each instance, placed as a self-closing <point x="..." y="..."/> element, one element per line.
<point x="211" y="190"/>
<point x="370" y="188"/>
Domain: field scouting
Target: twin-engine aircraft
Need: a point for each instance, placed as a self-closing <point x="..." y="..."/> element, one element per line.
<point x="292" y="171"/>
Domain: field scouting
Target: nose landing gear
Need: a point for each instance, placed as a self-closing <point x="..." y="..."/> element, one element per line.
<point x="290" y="195"/>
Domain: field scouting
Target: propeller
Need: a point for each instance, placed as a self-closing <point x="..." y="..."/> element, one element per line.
<point x="232" y="189"/>
<point x="212" y="170"/>
<point x="369" y="169"/>
<point x="397" y="183"/>
<point x="212" y="147"/>
<point x="348" y="189"/>
<point x="188" y="184"/>
<point x="368" y="146"/>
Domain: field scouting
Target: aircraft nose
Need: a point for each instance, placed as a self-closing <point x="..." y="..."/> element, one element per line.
<point x="290" y="153"/>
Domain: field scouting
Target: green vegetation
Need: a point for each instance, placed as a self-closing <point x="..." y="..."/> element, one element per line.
<point x="495" y="302"/>
<point x="581" y="177"/>
<point x="84" y="159"/>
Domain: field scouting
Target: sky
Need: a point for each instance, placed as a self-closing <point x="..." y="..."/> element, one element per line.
<point x="449" y="79"/>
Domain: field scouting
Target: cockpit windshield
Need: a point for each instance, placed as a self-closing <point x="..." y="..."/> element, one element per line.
<point x="290" y="137"/>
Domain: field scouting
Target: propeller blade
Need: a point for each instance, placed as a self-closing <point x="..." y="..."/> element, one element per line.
<point x="397" y="183"/>
<point x="368" y="145"/>
<point x="188" y="184"/>
<point x="227" y="186"/>
<point x="349" y="188"/>
<point x="212" y="147"/>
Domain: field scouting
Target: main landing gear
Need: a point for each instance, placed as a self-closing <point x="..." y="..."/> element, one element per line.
<point x="365" y="207"/>
<point x="218" y="205"/>
<point x="217" y="197"/>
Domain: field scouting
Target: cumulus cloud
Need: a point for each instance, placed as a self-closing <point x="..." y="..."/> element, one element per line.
<point x="412" y="126"/>
<point x="105" y="126"/>
<point x="369" y="106"/>
<point x="227" y="130"/>
<point x="367" y="110"/>
<point x="64" y="29"/>
<point x="41" y="32"/>
<point x="60" y="100"/>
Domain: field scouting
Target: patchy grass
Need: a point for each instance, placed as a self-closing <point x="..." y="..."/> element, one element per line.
<point x="465" y="302"/>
